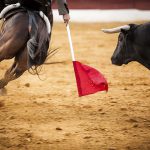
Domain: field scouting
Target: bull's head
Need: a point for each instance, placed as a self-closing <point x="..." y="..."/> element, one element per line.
<point x="123" y="53"/>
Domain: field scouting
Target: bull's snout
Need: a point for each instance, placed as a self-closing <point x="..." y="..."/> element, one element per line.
<point x="116" y="61"/>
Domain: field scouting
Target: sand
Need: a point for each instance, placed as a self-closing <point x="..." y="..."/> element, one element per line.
<point x="47" y="114"/>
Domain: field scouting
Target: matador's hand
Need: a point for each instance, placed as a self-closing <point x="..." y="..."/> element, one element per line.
<point x="66" y="18"/>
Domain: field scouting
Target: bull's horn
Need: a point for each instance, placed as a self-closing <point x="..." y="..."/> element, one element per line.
<point x="117" y="29"/>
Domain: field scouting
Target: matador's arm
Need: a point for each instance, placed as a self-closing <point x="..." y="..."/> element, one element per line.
<point x="62" y="7"/>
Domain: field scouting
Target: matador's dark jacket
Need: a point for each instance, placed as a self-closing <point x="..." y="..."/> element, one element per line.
<point x="37" y="5"/>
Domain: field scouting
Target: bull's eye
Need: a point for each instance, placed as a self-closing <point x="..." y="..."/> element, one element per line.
<point x="120" y="37"/>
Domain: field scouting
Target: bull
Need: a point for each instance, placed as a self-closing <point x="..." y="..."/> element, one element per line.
<point x="133" y="44"/>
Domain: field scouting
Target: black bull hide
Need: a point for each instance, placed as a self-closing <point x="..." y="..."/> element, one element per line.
<point x="133" y="45"/>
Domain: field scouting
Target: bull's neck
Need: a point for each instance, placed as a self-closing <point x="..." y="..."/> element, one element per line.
<point x="139" y="58"/>
<point x="143" y="62"/>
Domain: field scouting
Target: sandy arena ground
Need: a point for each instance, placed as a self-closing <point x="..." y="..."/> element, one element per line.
<point x="47" y="114"/>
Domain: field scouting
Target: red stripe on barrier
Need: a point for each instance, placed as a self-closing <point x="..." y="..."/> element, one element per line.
<point x="108" y="4"/>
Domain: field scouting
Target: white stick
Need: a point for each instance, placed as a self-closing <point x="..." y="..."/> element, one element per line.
<point x="70" y="42"/>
